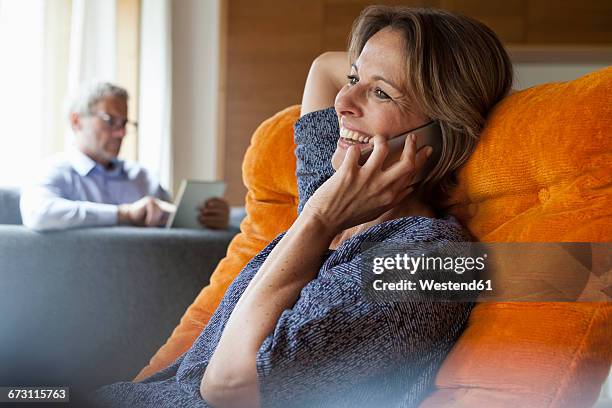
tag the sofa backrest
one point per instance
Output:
(9, 206)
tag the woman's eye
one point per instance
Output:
(381, 94)
(352, 79)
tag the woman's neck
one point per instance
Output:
(411, 206)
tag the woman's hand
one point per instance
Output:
(358, 194)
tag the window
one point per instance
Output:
(21, 82)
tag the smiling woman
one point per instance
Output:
(412, 71)
(295, 327)
(372, 102)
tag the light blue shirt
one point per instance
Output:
(75, 191)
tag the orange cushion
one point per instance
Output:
(268, 171)
(541, 173)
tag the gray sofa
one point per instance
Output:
(90, 306)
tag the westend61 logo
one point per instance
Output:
(487, 271)
(412, 264)
(429, 271)
(425, 273)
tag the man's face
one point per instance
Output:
(95, 137)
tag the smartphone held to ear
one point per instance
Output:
(429, 134)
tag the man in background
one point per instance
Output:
(89, 186)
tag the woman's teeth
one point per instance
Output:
(352, 135)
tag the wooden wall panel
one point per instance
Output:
(506, 18)
(338, 17)
(569, 21)
(128, 57)
(270, 45)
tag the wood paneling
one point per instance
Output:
(222, 99)
(506, 18)
(128, 46)
(339, 16)
(569, 22)
(270, 45)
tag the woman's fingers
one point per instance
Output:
(409, 151)
(351, 158)
(422, 156)
(379, 154)
(411, 160)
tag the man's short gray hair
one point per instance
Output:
(90, 94)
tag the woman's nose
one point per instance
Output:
(348, 102)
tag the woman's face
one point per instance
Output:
(373, 101)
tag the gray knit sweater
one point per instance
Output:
(335, 347)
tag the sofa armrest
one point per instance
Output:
(87, 307)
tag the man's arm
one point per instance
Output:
(44, 207)
(162, 194)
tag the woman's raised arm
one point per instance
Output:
(352, 196)
(230, 380)
(326, 77)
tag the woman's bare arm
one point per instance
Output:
(326, 77)
(230, 380)
(352, 196)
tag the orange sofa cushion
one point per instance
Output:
(541, 173)
(268, 171)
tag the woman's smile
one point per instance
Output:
(352, 137)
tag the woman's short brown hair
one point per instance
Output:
(456, 71)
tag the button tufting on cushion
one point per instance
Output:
(543, 194)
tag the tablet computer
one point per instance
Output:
(191, 195)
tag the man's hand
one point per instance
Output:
(214, 213)
(146, 212)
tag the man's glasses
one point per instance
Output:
(113, 122)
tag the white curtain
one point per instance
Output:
(92, 53)
(21, 81)
(155, 102)
(47, 48)
(55, 83)
(93, 39)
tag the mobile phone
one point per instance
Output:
(429, 134)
